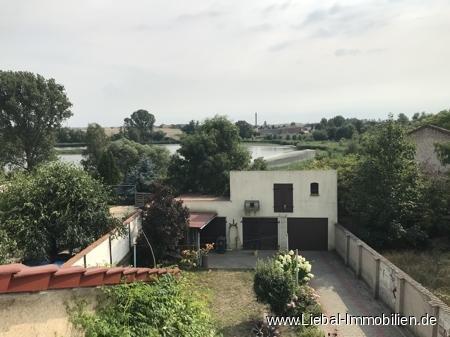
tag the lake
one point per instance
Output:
(256, 150)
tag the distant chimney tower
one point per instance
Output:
(256, 119)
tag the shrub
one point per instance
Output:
(304, 302)
(167, 307)
(273, 285)
(292, 264)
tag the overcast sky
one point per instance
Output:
(287, 60)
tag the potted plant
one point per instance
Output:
(204, 254)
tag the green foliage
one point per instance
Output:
(304, 302)
(387, 189)
(441, 119)
(245, 129)
(168, 307)
(139, 127)
(296, 266)
(443, 151)
(259, 164)
(207, 156)
(273, 285)
(96, 144)
(191, 127)
(320, 135)
(31, 109)
(142, 175)
(8, 248)
(56, 207)
(165, 221)
(70, 135)
(128, 155)
(108, 170)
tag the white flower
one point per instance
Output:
(291, 252)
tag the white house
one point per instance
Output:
(270, 210)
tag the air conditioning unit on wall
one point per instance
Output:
(251, 205)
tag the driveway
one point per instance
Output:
(339, 290)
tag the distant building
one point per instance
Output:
(425, 138)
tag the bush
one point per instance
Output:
(304, 302)
(167, 307)
(292, 264)
(273, 285)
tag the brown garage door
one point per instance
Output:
(260, 233)
(213, 230)
(308, 233)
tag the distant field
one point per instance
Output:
(430, 268)
(171, 133)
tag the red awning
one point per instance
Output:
(200, 219)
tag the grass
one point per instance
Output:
(430, 268)
(232, 302)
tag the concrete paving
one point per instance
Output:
(339, 290)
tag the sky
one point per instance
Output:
(297, 60)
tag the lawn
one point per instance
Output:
(232, 302)
(430, 268)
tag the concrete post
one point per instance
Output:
(347, 249)
(435, 313)
(134, 256)
(376, 285)
(359, 266)
(401, 295)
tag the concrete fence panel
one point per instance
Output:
(397, 290)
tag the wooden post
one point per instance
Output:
(376, 286)
(359, 266)
(84, 261)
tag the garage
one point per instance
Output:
(260, 233)
(308, 233)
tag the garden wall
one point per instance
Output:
(41, 314)
(110, 249)
(397, 290)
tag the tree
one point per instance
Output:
(127, 155)
(139, 126)
(387, 189)
(143, 175)
(31, 109)
(56, 207)
(259, 164)
(165, 221)
(207, 156)
(190, 127)
(96, 144)
(443, 151)
(402, 119)
(108, 170)
(245, 129)
(319, 135)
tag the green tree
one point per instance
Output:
(54, 208)
(245, 129)
(127, 155)
(402, 119)
(387, 189)
(32, 108)
(207, 156)
(443, 151)
(259, 164)
(165, 221)
(190, 127)
(319, 135)
(143, 175)
(96, 144)
(108, 170)
(139, 126)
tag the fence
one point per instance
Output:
(110, 249)
(392, 286)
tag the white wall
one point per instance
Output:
(258, 185)
(98, 253)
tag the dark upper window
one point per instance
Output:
(283, 198)
(314, 187)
